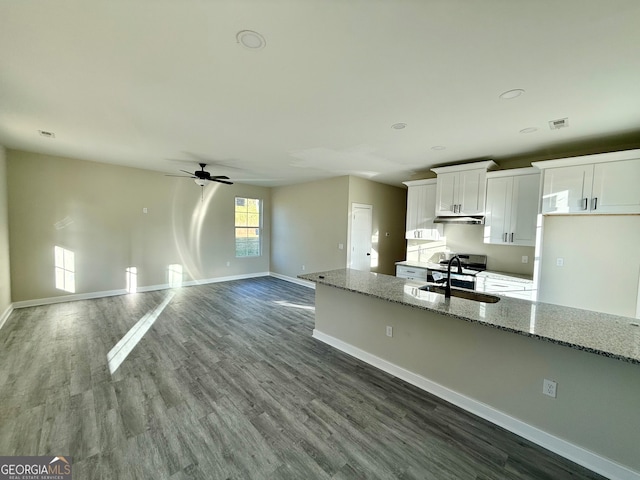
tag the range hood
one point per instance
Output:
(468, 220)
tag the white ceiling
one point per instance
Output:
(146, 83)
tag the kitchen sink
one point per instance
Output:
(468, 294)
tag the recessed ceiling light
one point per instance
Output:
(529, 130)
(509, 94)
(44, 133)
(398, 126)
(438, 147)
(250, 39)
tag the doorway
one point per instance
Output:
(360, 236)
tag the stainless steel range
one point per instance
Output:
(471, 265)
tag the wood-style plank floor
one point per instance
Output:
(229, 383)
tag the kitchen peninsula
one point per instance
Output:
(491, 359)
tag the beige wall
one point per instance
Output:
(601, 269)
(309, 220)
(597, 403)
(5, 278)
(95, 210)
(389, 210)
(500, 258)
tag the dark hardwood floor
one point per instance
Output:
(228, 383)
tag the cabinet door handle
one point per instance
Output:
(511, 237)
(594, 203)
(505, 238)
(585, 203)
(455, 208)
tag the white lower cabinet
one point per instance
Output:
(503, 284)
(411, 273)
(511, 208)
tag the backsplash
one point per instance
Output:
(468, 239)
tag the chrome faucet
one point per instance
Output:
(447, 288)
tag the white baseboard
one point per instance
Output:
(149, 288)
(5, 315)
(575, 453)
(67, 298)
(299, 281)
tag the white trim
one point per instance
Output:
(5, 315)
(68, 298)
(575, 453)
(426, 181)
(111, 293)
(299, 281)
(588, 159)
(513, 172)
(487, 165)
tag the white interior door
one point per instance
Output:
(361, 227)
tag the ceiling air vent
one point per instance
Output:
(556, 124)
(44, 133)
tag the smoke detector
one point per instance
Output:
(560, 123)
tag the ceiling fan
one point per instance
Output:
(201, 177)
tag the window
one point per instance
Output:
(248, 226)
(65, 269)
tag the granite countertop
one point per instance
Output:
(603, 334)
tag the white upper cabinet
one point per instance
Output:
(616, 187)
(567, 189)
(603, 183)
(421, 208)
(461, 189)
(512, 207)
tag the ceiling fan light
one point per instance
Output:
(200, 181)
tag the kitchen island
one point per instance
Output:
(491, 359)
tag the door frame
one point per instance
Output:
(350, 226)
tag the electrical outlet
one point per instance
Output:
(559, 262)
(145, 210)
(228, 264)
(389, 331)
(303, 268)
(549, 388)
(341, 246)
(525, 259)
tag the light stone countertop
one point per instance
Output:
(603, 334)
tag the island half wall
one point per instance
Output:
(497, 375)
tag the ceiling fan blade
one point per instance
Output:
(190, 173)
(181, 176)
(213, 177)
(221, 181)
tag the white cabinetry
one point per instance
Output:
(411, 273)
(512, 207)
(421, 208)
(504, 284)
(603, 183)
(461, 188)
